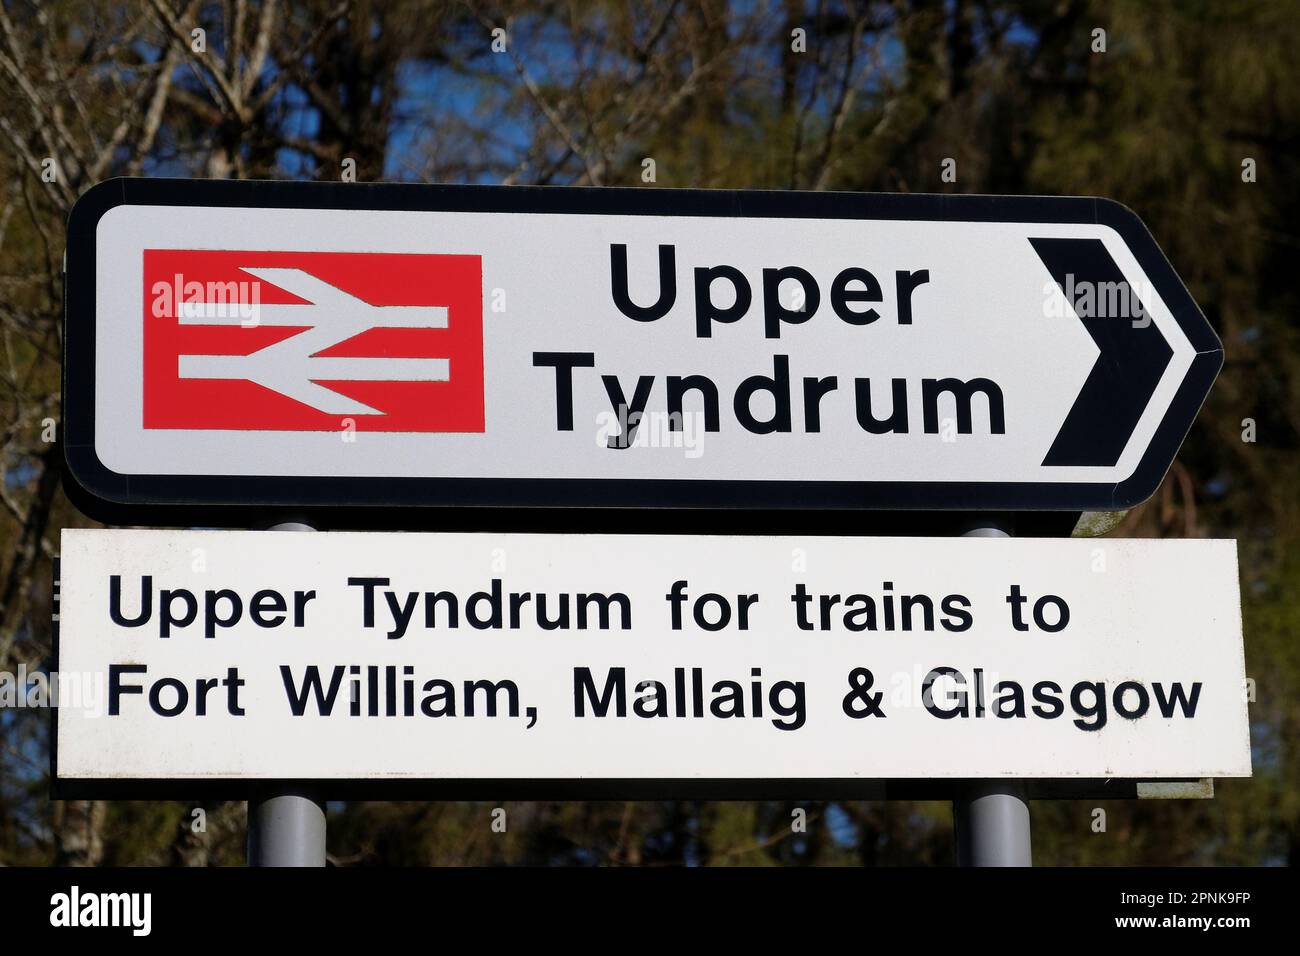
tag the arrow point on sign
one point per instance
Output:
(1132, 357)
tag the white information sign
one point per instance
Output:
(600, 661)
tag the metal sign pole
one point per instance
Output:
(991, 817)
(991, 822)
(286, 828)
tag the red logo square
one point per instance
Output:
(306, 341)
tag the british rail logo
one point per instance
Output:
(312, 341)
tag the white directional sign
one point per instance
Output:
(643, 664)
(283, 344)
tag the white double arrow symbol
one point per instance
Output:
(293, 366)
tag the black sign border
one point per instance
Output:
(214, 499)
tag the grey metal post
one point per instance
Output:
(991, 817)
(286, 827)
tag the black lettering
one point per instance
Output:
(619, 284)
(678, 386)
(311, 685)
(115, 601)
(842, 295)
(706, 313)
(584, 689)
(779, 387)
(774, 313)
(962, 393)
(897, 420)
(564, 363)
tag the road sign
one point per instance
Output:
(299, 344)
(641, 665)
